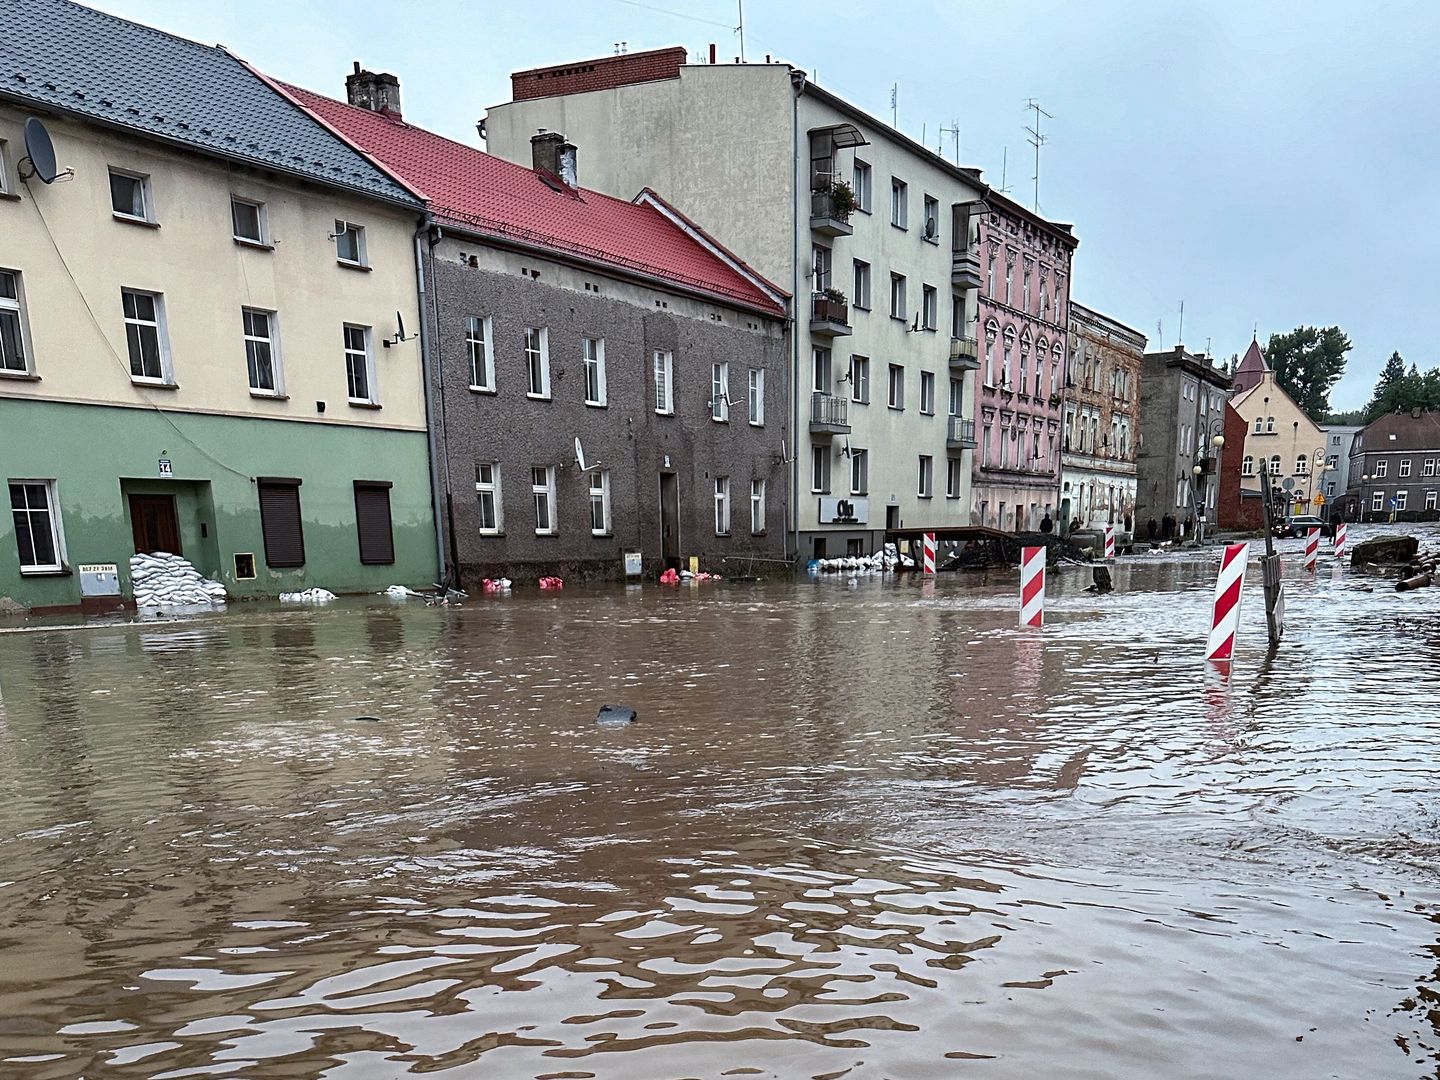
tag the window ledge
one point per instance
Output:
(492, 533)
(896, 408)
(348, 265)
(726, 535)
(719, 419)
(900, 318)
(489, 391)
(258, 245)
(601, 535)
(757, 423)
(924, 496)
(537, 397)
(897, 225)
(547, 534)
(269, 396)
(924, 412)
(664, 412)
(375, 405)
(597, 405)
(63, 571)
(860, 307)
(144, 223)
(154, 384)
(8, 196)
(935, 240)
(20, 376)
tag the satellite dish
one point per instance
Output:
(580, 457)
(40, 151)
(399, 332)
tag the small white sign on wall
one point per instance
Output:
(842, 511)
(632, 564)
(165, 468)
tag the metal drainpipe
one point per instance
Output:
(434, 417)
(797, 83)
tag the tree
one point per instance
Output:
(1399, 389)
(1307, 362)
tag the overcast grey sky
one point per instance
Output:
(1268, 162)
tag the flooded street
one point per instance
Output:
(857, 832)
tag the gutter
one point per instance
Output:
(797, 83)
(439, 489)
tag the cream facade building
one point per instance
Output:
(1279, 438)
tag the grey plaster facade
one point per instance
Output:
(513, 431)
(1182, 409)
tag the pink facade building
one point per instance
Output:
(1024, 302)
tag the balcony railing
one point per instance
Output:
(965, 268)
(829, 414)
(827, 217)
(961, 435)
(964, 354)
(828, 315)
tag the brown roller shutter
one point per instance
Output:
(372, 523)
(280, 523)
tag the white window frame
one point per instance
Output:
(929, 203)
(895, 387)
(272, 340)
(490, 487)
(147, 200)
(899, 203)
(859, 379)
(1381, 467)
(757, 506)
(342, 227)
(600, 499)
(372, 391)
(755, 398)
(720, 391)
(898, 307)
(262, 222)
(5, 188)
(929, 307)
(1402, 499)
(822, 372)
(537, 362)
(957, 397)
(1275, 465)
(592, 353)
(1428, 468)
(1377, 501)
(861, 291)
(57, 530)
(1404, 467)
(722, 506)
(547, 491)
(1247, 466)
(162, 338)
(927, 393)
(925, 482)
(954, 468)
(480, 332)
(862, 181)
(663, 367)
(820, 468)
(1431, 498)
(859, 471)
(16, 307)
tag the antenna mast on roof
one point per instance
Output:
(1037, 140)
(1004, 188)
(1181, 340)
(954, 132)
(895, 105)
(740, 4)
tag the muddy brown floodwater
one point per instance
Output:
(869, 831)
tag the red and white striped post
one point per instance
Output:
(1312, 549)
(1340, 540)
(929, 553)
(1225, 615)
(1032, 586)
(1109, 541)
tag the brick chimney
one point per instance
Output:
(550, 153)
(377, 91)
(604, 73)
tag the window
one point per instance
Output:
(664, 388)
(957, 396)
(897, 387)
(1401, 498)
(1332, 462)
(860, 182)
(1329, 488)
(542, 493)
(1275, 465)
(860, 294)
(36, 513)
(821, 260)
(1430, 499)
(756, 397)
(600, 502)
(145, 336)
(860, 379)
(897, 296)
(372, 523)
(247, 220)
(359, 365)
(537, 362)
(957, 316)
(990, 278)
(1009, 280)
(479, 344)
(280, 523)
(927, 393)
(820, 468)
(1247, 466)
(12, 325)
(722, 506)
(262, 352)
(720, 392)
(929, 307)
(1025, 292)
(1429, 468)
(1381, 467)
(953, 473)
(1377, 501)
(350, 243)
(859, 471)
(931, 224)
(130, 196)
(1334, 440)
(757, 507)
(1269, 424)
(4, 167)
(487, 498)
(1302, 464)
(927, 477)
(899, 198)
(1405, 467)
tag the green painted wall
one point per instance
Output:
(99, 454)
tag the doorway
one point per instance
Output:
(155, 524)
(892, 517)
(670, 520)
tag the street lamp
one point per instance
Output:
(1319, 470)
(1364, 485)
(1217, 441)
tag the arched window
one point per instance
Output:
(1259, 425)
(1302, 464)
(1247, 467)
(1275, 465)
(1269, 423)
(1024, 383)
(1005, 357)
(1057, 358)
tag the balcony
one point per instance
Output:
(961, 435)
(830, 211)
(964, 354)
(965, 268)
(829, 314)
(829, 415)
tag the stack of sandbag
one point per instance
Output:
(163, 580)
(307, 596)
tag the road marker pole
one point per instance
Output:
(1109, 541)
(1340, 539)
(929, 558)
(1312, 549)
(1225, 613)
(1032, 586)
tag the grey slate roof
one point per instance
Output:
(61, 55)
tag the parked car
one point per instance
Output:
(1300, 525)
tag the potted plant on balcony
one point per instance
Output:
(835, 296)
(842, 200)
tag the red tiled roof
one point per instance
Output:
(487, 195)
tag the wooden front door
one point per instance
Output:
(670, 520)
(156, 528)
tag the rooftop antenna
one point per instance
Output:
(1180, 339)
(1037, 140)
(621, 48)
(954, 132)
(895, 105)
(740, 4)
(1004, 165)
